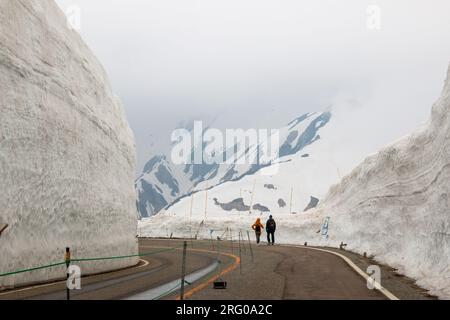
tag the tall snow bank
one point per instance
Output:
(396, 204)
(67, 153)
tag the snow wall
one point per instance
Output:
(67, 155)
(395, 206)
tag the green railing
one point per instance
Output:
(84, 260)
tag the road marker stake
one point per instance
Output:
(250, 245)
(240, 253)
(67, 260)
(183, 271)
(231, 240)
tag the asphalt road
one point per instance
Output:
(288, 273)
(285, 273)
(151, 272)
(265, 272)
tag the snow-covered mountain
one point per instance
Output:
(162, 183)
(67, 156)
(315, 151)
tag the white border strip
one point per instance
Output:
(171, 287)
(376, 285)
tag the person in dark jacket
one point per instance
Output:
(271, 227)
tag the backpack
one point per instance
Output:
(271, 224)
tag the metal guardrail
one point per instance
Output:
(85, 259)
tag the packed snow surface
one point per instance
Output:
(394, 205)
(67, 153)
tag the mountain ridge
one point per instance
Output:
(163, 184)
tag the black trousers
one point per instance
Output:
(271, 234)
(258, 236)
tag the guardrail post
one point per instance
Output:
(183, 271)
(67, 260)
(212, 242)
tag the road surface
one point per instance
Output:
(266, 272)
(151, 272)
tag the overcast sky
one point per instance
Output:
(263, 62)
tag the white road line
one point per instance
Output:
(376, 285)
(171, 287)
(146, 263)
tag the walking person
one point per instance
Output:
(271, 227)
(258, 227)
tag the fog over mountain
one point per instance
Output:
(263, 63)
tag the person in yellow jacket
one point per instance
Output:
(258, 228)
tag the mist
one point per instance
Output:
(260, 63)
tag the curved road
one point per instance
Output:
(275, 272)
(151, 272)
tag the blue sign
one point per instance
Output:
(325, 227)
